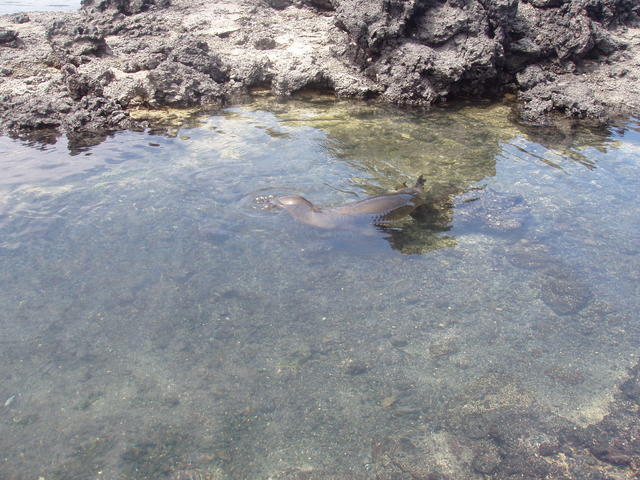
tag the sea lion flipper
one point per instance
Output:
(420, 182)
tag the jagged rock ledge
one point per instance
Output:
(85, 72)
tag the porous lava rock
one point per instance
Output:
(576, 59)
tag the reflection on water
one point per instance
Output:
(158, 322)
(15, 6)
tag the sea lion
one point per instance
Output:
(378, 210)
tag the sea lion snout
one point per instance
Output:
(292, 200)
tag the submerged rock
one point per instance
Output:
(488, 458)
(563, 292)
(354, 367)
(499, 212)
(631, 387)
(530, 256)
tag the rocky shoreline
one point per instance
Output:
(88, 72)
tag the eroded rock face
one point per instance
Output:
(189, 76)
(127, 7)
(7, 36)
(70, 41)
(572, 58)
(428, 51)
(423, 52)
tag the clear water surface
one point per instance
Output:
(157, 322)
(16, 6)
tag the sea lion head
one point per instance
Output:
(293, 201)
(299, 208)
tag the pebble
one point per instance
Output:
(437, 350)
(398, 342)
(548, 449)
(354, 367)
(389, 401)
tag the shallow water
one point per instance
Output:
(157, 322)
(16, 6)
